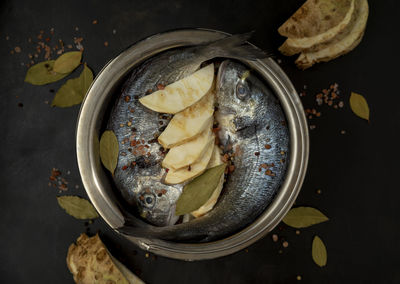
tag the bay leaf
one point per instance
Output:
(74, 90)
(86, 79)
(109, 150)
(359, 105)
(302, 217)
(67, 62)
(199, 190)
(77, 207)
(318, 251)
(43, 73)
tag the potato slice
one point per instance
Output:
(196, 169)
(181, 94)
(188, 123)
(342, 46)
(189, 152)
(214, 161)
(90, 262)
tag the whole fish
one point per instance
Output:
(139, 173)
(253, 125)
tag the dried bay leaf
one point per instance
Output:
(109, 150)
(67, 62)
(69, 94)
(302, 217)
(359, 105)
(199, 190)
(77, 207)
(43, 73)
(318, 251)
(74, 90)
(86, 79)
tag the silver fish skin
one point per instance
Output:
(140, 183)
(249, 117)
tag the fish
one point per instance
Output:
(139, 174)
(253, 125)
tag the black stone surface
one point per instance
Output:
(356, 172)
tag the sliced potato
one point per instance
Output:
(188, 123)
(181, 94)
(196, 169)
(214, 161)
(216, 158)
(342, 46)
(189, 152)
(295, 45)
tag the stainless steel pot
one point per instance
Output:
(98, 185)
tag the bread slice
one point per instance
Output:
(90, 262)
(340, 45)
(307, 44)
(316, 17)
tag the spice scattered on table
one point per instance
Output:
(44, 46)
(57, 181)
(327, 97)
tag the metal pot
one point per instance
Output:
(100, 189)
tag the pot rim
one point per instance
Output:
(99, 188)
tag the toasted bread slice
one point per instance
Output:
(90, 262)
(315, 17)
(341, 45)
(295, 45)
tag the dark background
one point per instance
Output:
(356, 172)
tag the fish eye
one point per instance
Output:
(241, 91)
(149, 200)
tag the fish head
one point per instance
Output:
(156, 201)
(239, 94)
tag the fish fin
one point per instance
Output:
(234, 46)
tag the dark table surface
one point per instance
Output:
(356, 172)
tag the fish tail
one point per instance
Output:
(134, 227)
(234, 46)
